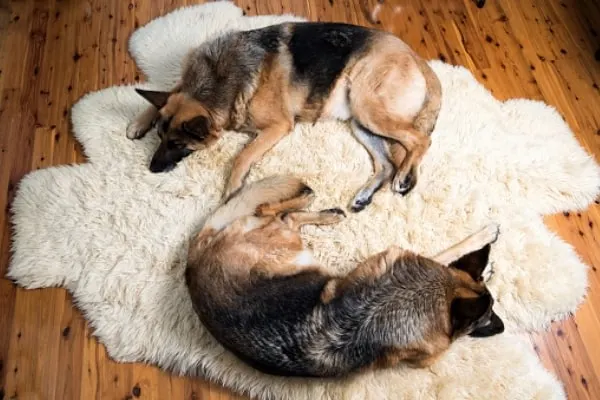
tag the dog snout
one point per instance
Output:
(490, 327)
(157, 166)
(167, 157)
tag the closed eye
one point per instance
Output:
(172, 145)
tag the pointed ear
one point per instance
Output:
(465, 312)
(196, 127)
(157, 99)
(473, 263)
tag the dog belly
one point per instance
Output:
(337, 105)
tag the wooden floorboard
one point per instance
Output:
(54, 51)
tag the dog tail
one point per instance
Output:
(427, 117)
(269, 190)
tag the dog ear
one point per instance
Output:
(465, 312)
(157, 99)
(473, 263)
(196, 127)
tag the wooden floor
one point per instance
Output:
(54, 51)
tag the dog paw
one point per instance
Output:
(332, 216)
(136, 131)
(336, 210)
(361, 201)
(260, 210)
(306, 191)
(403, 185)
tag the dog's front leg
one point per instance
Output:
(252, 153)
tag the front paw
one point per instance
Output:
(135, 130)
(332, 216)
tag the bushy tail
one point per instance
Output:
(268, 190)
(427, 117)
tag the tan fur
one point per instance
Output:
(244, 243)
(421, 355)
(252, 153)
(181, 107)
(426, 119)
(296, 203)
(397, 154)
(338, 92)
(365, 272)
(254, 237)
(271, 104)
(270, 113)
(372, 84)
(296, 220)
(267, 236)
(376, 81)
(244, 250)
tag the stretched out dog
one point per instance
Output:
(263, 81)
(260, 292)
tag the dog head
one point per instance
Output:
(471, 308)
(183, 125)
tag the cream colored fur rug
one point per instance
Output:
(115, 235)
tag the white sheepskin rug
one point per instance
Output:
(115, 235)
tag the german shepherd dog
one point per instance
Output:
(260, 292)
(262, 81)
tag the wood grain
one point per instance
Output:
(54, 51)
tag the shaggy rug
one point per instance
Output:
(115, 235)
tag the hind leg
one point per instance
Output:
(382, 167)
(296, 220)
(408, 148)
(283, 252)
(397, 153)
(303, 200)
(416, 145)
(386, 97)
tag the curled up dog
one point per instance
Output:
(260, 292)
(263, 81)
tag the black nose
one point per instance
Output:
(161, 167)
(493, 327)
